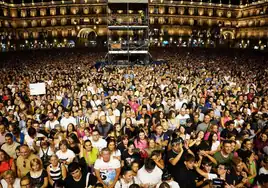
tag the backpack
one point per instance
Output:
(45, 158)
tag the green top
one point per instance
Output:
(91, 156)
(252, 166)
(221, 159)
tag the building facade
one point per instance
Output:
(197, 23)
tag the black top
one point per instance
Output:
(174, 169)
(128, 159)
(71, 183)
(186, 178)
(105, 129)
(39, 181)
(226, 133)
(75, 149)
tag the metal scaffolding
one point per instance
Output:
(128, 31)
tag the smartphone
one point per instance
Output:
(218, 182)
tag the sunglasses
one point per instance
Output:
(24, 164)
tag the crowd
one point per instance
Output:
(201, 120)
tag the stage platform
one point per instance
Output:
(127, 27)
(128, 52)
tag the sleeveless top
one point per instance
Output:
(5, 165)
(55, 174)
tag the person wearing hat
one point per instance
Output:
(176, 157)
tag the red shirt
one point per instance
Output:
(5, 165)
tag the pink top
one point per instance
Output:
(208, 133)
(225, 119)
(80, 134)
(142, 144)
(134, 105)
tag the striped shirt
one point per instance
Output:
(55, 174)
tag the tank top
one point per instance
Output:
(5, 165)
(55, 174)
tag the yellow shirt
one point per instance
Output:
(23, 165)
(91, 157)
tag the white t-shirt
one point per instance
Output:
(66, 156)
(215, 145)
(29, 141)
(107, 169)
(263, 171)
(66, 121)
(111, 119)
(51, 125)
(116, 112)
(100, 144)
(178, 104)
(152, 178)
(122, 184)
(182, 119)
(15, 185)
(117, 153)
(172, 184)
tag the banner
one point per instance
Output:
(38, 89)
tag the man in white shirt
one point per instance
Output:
(66, 120)
(50, 124)
(182, 117)
(97, 141)
(10, 146)
(116, 111)
(150, 175)
(179, 102)
(107, 169)
(127, 179)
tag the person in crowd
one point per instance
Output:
(51, 122)
(176, 157)
(56, 171)
(66, 120)
(167, 178)
(126, 179)
(10, 146)
(107, 169)
(9, 180)
(3, 132)
(38, 176)
(186, 174)
(45, 150)
(65, 155)
(97, 141)
(25, 182)
(6, 162)
(23, 161)
(149, 175)
(88, 153)
(104, 127)
(264, 168)
(79, 177)
(115, 153)
(225, 155)
(130, 155)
